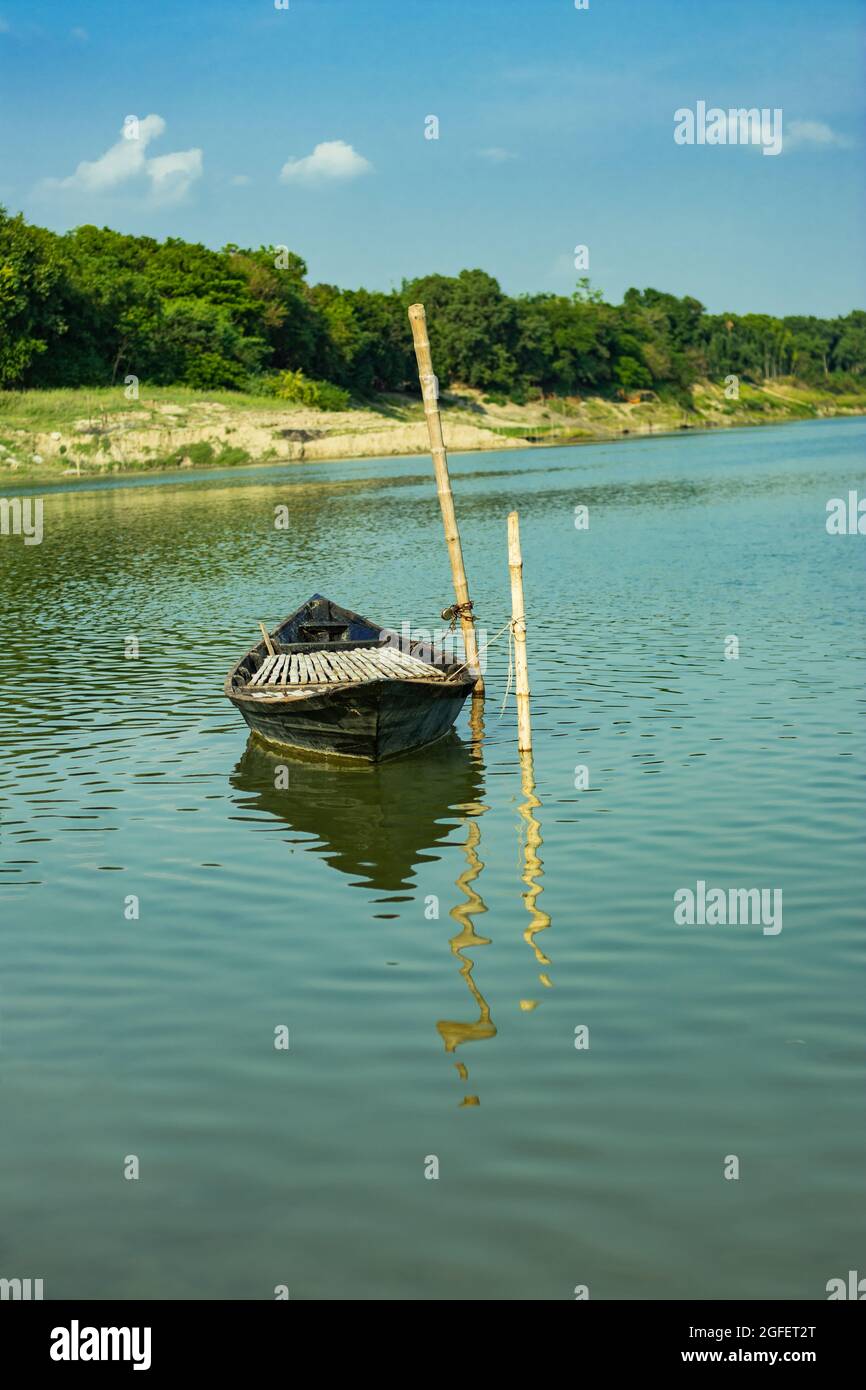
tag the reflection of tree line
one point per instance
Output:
(374, 824)
(171, 527)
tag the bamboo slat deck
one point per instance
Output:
(356, 665)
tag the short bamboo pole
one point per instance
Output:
(430, 393)
(268, 643)
(518, 628)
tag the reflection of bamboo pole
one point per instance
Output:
(476, 722)
(518, 627)
(453, 1034)
(430, 393)
(533, 868)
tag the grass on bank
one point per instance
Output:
(85, 425)
(42, 411)
(59, 409)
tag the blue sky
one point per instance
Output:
(555, 128)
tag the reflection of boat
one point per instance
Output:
(375, 822)
(378, 822)
(329, 681)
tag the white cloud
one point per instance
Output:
(81, 35)
(816, 134)
(122, 161)
(170, 175)
(240, 180)
(496, 154)
(333, 159)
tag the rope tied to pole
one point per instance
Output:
(510, 667)
(510, 628)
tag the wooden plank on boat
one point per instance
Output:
(391, 670)
(372, 663)
(365, 664)
(342, 667)
(367, 668)
(352, 666)
(357, 664)
(273, 675)
(256, 677)
(330, 669)
(261, 674)
(393, 660)
(402, 664)
(319, 671)
(423, 668)
(336, 667)
(427, 669)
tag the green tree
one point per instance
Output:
(30, 317)
(94, 305)
(476, 328)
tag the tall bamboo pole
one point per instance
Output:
(430, 393)
(518, 627)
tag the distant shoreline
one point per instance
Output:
(174, 432)
(154, 477)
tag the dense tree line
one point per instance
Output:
(92, 306)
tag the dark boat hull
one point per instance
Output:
(375, 721)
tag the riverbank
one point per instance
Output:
(57, 436)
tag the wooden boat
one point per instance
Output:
(337, 683)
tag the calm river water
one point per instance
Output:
(416, 1036)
